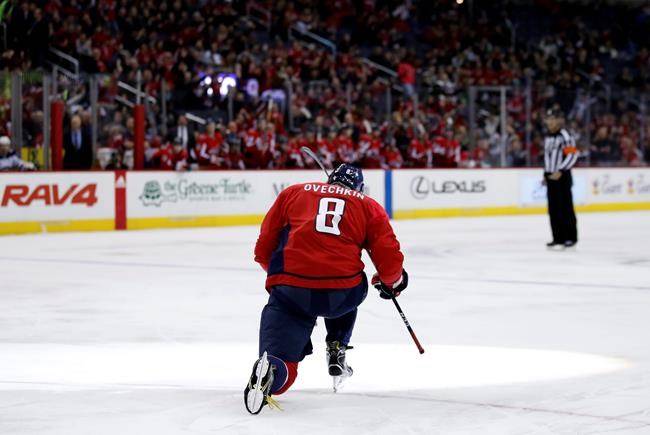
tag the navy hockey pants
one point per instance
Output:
(289, 317)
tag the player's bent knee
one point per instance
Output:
(285, 374)
(292, 373)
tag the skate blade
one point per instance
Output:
(255, 397)
(337, 382)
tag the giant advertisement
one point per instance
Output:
(452, 189)
(428, 193)
(617, 185)
(55, 201)
(533, 190)
(218, 193)
(56, 196)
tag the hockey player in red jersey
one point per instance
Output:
(310, 246)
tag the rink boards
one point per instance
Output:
(488, 192)
(91, 201)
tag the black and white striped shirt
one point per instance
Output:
(560, 152)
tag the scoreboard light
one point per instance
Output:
(226, 81)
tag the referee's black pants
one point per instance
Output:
(560, 208)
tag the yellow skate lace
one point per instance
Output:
(273, 404)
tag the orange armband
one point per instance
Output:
(570, 150)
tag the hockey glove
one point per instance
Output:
(390, 291)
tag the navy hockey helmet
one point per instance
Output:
(348, 176)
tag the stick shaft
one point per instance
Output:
(314, 157)
(408, 326)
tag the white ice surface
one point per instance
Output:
(155, 332)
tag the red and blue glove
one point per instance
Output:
(390, 291)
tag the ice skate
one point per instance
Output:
(336, 365)
(554, 246)
(569, 245)
(257, 392)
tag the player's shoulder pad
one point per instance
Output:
(285, 193)
(292, 188)
(295, 186)
(374, 207)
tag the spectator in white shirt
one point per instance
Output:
(9, 161)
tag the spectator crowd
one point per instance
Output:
(389, 89)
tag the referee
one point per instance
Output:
(560, 154)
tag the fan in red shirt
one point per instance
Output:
(265, 158)
(417, 152)
(311, 142)
(208, 146)
(310, 246)
(631, 154)
(393, 157)
(447, 150)
(171, 156)
(327, 149)
(252, 145)
(345, 147)
(370, 149)
(406, 74)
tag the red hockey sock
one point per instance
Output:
(291, 374)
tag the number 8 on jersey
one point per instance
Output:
(330, 212)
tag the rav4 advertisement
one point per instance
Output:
(56, 196)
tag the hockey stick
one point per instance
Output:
(315, 158)
(408, 326)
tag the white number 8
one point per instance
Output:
(323, 225)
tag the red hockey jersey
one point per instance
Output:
(313, 235)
